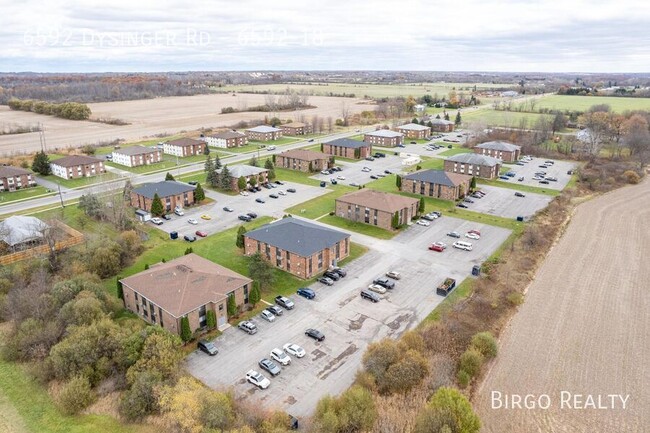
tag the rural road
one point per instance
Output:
(583, 330)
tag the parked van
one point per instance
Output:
(461, 245)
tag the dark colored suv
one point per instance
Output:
(371, 296)
(207, 347)
(333, 275)
(315, 334)
(306, 292)
(385, 282)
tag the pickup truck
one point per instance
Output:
(446, 287)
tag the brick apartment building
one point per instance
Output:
(13, 178)
(227, 139)
(413, 130)
(384, 137)
(507, 152)
(436, 184)
(376, 208)
(296, 128)
(442, 125)
(172, 194)
(347, 148)
(75, 166)
(301, 248)
(253, 175)
(184, 147)
(188, 286)
(134, 156)
(303, 160)
(473, 164)
(264, 133)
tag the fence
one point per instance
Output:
(73, 237)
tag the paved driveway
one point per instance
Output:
(503, 202)
(557, 170)
(349, 322)
(353, 174)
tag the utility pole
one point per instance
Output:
(61, 197)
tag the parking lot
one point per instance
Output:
(221, 220)
(503, 202)
(352, 171)
(558, 170)
(348, 322)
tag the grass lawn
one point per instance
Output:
(168, 163)
(583, 103)
(429, 164)
(518, 187)
(462, 291)
(81, 181)
(279, 142)
(455, 151)
(24, 193)
(364, 229)
(105, 150)
(296, 176)
(492, 117)
(319, 206)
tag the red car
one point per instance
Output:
(436, 247)
(474, 231)
(201, 233)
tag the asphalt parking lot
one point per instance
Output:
(558, 170)
(503, 202)
(353, 174)
(348, 322)
(222, 220)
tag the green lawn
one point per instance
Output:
(7, 196)
(279, 142)
(364, 229)
(518, 187)
(429, 164)
(168, 163)
(296, 176)
(455, 151)
(320, 206)
(513, 119)
(81, 181)
(583, 103)
(462, 291)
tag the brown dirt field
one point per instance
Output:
(584, 327)
(149, 117)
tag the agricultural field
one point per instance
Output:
(582, 103)
(490, 117)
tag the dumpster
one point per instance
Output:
(173, 235)
(520, 218)
(476, 270)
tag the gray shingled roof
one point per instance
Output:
(438, 177)
(441, 122)
(244, 170)
(164, 189)
(264, 128)
(297, 236)
(346, 142)
(228, 134)
(475, 159)
(413, 127)
(184, 142)
(9, 171)
(385, 133)
(498, 145)
(75, 160)
(136, 150)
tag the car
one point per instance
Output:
(207, 347)
(468, 200)
(435, 247)
(552, 179)
(167, 217)
(450, 146)
(269, 366)
(394, 275)
(279, 182)
(435, 214)
(260, 200)
(326, 280)
(192, 182)
(267, 315)
(354, 184)
(267, 186)
(479, 196)
(520, 163)
(462, 205)
(388, 172)
(192, 221)
(540, 173)
(156, 221)
(270, 148)
(367, 294)
(423, 222)
(228, 209)
(521, 179)
(274, 196)
(372, 176)
(284, 302)
(279, 356)
(504, 178)
(247, 326)
(401, 145)
(380, 175)
(380, 155)
(383, 281)
(311, 140)
(428, 217)
(545, 182)
(333, 181)
(291, 190)
(453, 234)
(257, 188)
(244, 193)
(342, 272)
(340, 177)
(369, 158)
(201, 233)
(308, 293)
(476, 231)
(332, 275)
(333, 169)
(252, 214)
(179, 211)
(377, 288)
(282, 192)
(257, 379)
(244, 218)
(472, 236)
(549, 162)
(275, 310)
(441, 244)
(511, 174)
(543, 166)
(323, 184)
(325, 172)
(315, 334)
(520, 194)
(189, 238)
(462, 245)
(205, 216)
(366, 169)
(414, 142)
(294, 349)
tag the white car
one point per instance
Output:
(244, 193)
(270, 148)
(394, 275)
(281, 357)
(192, 221)
(423, 223)
(366, 169)
(257, 379)
(472, 236)
(324, 172)
(282, 192)
(157, 221)
(294, 349)
(462, 245)
(377, 288)
(340, 177)
(267, 315)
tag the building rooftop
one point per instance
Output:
(385, 133)
(244, 170)
(304, 155)
(136, 150)
(9, 171)
(228, 134)
(499, 145)
(75, 160)
(295, 125)
(19, 229)
(184, 142)
(185, 284)
(164, 189)
(346, 142)
(441, 122)
(475, 159)
(438, 177)
(297, 236)
(379, 200)
(413, 127)
(263, 129)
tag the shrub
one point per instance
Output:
(463, 378)
(76, 395)
(353, 411)
(471, 362)
(632, 177)
(210, 319)
(186, 332)
(141, 400)
(485, 343)
(447, 411)
(515, 298)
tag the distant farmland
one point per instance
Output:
(490, 117)
(582, 103)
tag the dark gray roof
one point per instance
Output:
(346, 142)
(164, 189)
(499, 145)
(438, 177)
(75, 160)
(475, 159)
(297, 236)
(9, 171)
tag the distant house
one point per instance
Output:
(75, 166)
(296, 128)
(303, 160)
(253, 175)
(376, 207)
(227, 139)
(134, 156)
(419, 108)
(502, 150)
(347, 148)
(442, 125)
(184, 147)
(301, 248)
(188, 286)
(384, 137)
(172, 194)
(413, 130)
(264, 133)
(473, 164)
(436, 184)
(13, 178)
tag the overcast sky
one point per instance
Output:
(453, 35)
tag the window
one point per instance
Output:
(268, 251)
(288, 261)
(245, 294)
(310, 265)
(136, 296)
(338, 248)
(320, 260)
(202, 317)
(221, 308)
(346, 244)
(161, 316)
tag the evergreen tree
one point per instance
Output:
(253, 161)
(189, 250)
(398, 181)
(241, 231)
(186, 332)
(430, 124)
(261, 270)
(269, 166)
(199, 194)
(438, 116)
(422, 122)
(41, 164)
(157, 208)
(206, 150)
(224, 181)
(209, 171)
(210, 319)
(255, 295)
(395, 221)
(446, 116)
(421, 207)
(217, 162)
(414, 120)
(321, 147)
(311, 167)
(472, 184)
(458, 118)
(231, 307)
(169, 176)
(273, 158)
(241, 183)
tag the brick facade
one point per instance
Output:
(380, 140)
(484, 171)
(296, 128)
(504, 155)
(13, 178)
(169, 202)
(76, 166)
(375, 217)
(137, 157)
(184, 147)
(263, 135)
(227, 139)
(347, 152)
(295, 163)
(428, 189)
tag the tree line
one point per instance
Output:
(65, 110)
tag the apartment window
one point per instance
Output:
(278, 257)
(160, 316)
(221, 308)
(259, 246)
(245, 294)
(310, 265)
(268, 251)
(346, 244)
(202, 317)
(338, 248)
(136, 296)
(431, 188)
(320, 260)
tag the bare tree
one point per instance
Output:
(596, 123)
(637, 137)
(330, 124)
(314, 123)
(321, 125)
(304, 98)
(345, 113)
